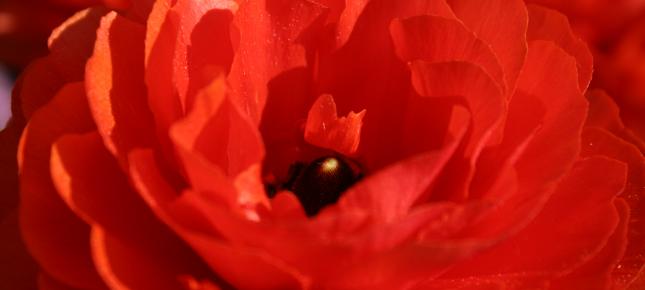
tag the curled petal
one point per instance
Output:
(326, 130)
(436, 39)
(503, 26)
(550, 25)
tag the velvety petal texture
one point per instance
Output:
(297, 144)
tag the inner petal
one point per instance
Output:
(324, 128)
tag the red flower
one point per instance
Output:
(336, 145)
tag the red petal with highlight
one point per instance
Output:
(115, 90)
(326, 130)
(53, 234)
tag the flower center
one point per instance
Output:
(321, 182)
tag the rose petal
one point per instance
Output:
(485, 102)
(550, 25)
(114, 88)
(483, 96)
(639, 280)
(204, 47)
(525, 115)
(354, 10)
(552, 147)
(247, 268)
(417, 38)
(604, 113)
(519, 281)
(217, 130)
(55, 237)
(281, 26)
(181, 56)
(189, 221)
(161, 35)
(326, 130)
(90, 181)
(597, 273)
(565, 110)
(389, 193)
(503, 27)
(217, 138)
(124, 263)
(70, 45)
(291, 248)
(597, 141)
(582, 205)
(406, 265)
(286, 205)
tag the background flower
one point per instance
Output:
(160, 138)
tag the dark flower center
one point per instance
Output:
(321, 182)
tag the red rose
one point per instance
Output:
(300, 145)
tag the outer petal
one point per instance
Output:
(125, 234)
(604, 113)
(550, 25)
(582, 205)
(597, 273)
(565, 109)
(115, 88)
(53, 234)
(124, 264)
(600, 142)
(550, 151)
(65, 63)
